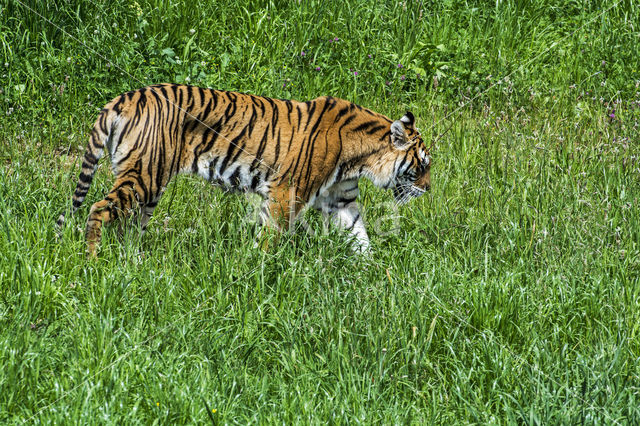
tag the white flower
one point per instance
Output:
(187, 79)
(96, 31)
(6, 64)
(192, 31)
(69, 59)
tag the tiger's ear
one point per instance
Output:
(398, 135)
(408, 119)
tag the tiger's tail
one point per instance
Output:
(101, 136)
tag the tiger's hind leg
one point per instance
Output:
(138, 219)
(120, 203)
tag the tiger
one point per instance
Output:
(293, 154)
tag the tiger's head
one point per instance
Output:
(412, 169)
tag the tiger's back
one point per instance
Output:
(289, 152)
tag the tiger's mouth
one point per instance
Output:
(404, 193)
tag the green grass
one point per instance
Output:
(509, 294)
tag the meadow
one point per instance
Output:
(510, 293)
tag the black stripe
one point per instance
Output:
(212, 168)
(347, 121)
(123, 132)
(174, 89)
(91, 159)
(255, 181)
(136, 174)
(274, 116)
(201, 92)
(252, 120)
(261, 147)
(80, 191)
(214, 131)
(311, 149)
(376, 129)
(234, 179)
(341, 113)
(289, 109)
(117, 107)
(85, 178)
(354, 222)
(165, 95)
(232, 147)
(230, 111)
(277, 149)
(206, 111)
(385, 135)
(310, 112)
(404, 160)
(346, 200)
(189, 97)
(214, 97)
(364, 126)
(102, 121)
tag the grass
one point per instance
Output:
(509, 294)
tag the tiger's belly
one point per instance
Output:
(238, 176)
(337, 196)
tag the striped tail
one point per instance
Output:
(102, 131)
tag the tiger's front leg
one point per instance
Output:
(279, 213)
(339, 203)
(349, 218)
